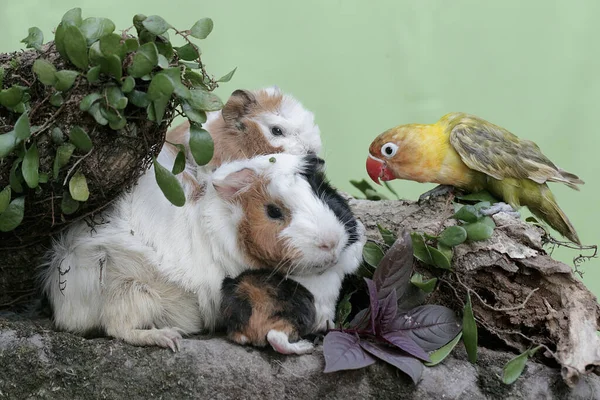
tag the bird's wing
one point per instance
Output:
(498, 153)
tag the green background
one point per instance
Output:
(362, 67)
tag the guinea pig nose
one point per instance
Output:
(327, 245)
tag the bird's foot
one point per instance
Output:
(437, 191)
(500, 207)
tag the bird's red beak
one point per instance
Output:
(378, 170)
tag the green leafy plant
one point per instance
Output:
(118, 79)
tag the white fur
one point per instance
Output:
(152, 270)
(281, 343)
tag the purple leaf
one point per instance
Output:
(343, 351)
(395, 268)
(374, 302)
(404, 342)
(361, 320)
(430, 326)
(409, 365)
(387, 312)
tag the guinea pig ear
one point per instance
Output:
(238, 105)
(234, 183)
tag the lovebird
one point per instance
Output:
(472, 154)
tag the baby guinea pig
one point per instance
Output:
(252, 123)
(261, 306)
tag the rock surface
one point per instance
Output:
(38, 363)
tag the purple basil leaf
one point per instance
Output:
(388, 309)
(374, 302)
(431, 326)
(361, 320)
(404, 342)
(409, 365)
(343, 351)
(395, 268)
(412, 297)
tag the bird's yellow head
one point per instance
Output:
(394, 152)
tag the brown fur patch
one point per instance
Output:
(178, 134)
(259, 234)
(262, 320)
(196, 190)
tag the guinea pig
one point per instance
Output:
(252, 123)
(151, 271)
(261, 306)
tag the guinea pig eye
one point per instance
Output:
(389, 149)
(274, 212)
(276, 131)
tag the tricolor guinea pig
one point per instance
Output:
(252, 123)
(152, 271)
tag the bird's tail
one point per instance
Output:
(548, 210)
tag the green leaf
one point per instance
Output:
(489, 221)
(374, 195)
(169, 185)
(202, 28)
(128, 84)
(15, 177)
(57, 99)
(514, 368)
(194, 79)
(470, 331)
(94, 28)
(57, 135)
(111, 114)
(8, 141)
(31, 165)
(111, 45)
(65, 79)
(344, 309)
(59, 40)
(467, 213)
(196, 116)
(131, 45)
(162, 61)
(138, 99)
(440, 354)
(115, 97)
(35, 39)
(166, 50)
(372, 254)
(80, 139)
(206, 101)
(201, 145)
(227, 77)
(12, 96)
(189, 52)
(420, 249)
(478, 231)
(482, 204)
(1, 77)
(89, 100)
(440, 260)
(93, 75)
(76, 47)
(78, 187)
(150, 112)
(116, 125)
(447, 251)
(72, 17)
(95, 112)
(159, 106)
(362, 185)
(63, 155)
(453, 236)
(22, 128)
(484, 195)
(43, 177)
(4, 198)
(426, 286)
(388, 236)
(13, 215)
(68, 205)
(174, 74)
(45, 72)
(111, 65)
(95, 55)
(156, 25)
(179, 164)
(144, 60)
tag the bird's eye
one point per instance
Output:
(274, 212)
(276, 131)
(389, 149)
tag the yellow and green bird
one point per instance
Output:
(472, 154)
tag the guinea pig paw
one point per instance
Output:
(166, 337)
(281, 344)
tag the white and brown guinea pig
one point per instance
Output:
(279, 307)
(251, 123)
(152, 271)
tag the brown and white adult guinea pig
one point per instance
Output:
(153, 271)
(252, 123)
